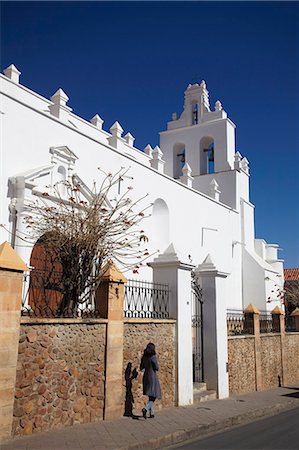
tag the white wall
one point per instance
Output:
(196, 224)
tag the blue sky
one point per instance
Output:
(132, 61)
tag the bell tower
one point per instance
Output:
(196, 103)
(205, 138)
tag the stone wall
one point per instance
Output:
(272, 371)
(271, 366)
(60, 375)
(136, 336)
(291, 362)
(241, 365)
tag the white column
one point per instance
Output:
(215, 355)
(168, 268)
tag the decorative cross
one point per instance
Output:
(120, 179)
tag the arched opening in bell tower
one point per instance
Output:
(179, 158)
(195, 112)
(207, 156)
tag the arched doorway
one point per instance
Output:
(45, 288)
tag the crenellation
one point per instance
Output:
(12, 73)
(59, 106)
(97, 121)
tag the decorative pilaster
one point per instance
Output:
(215, 354)
(110, 303)
(168, 268)
(11, 283)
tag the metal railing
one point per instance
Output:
(146, 300)
(238, 323)
(44, 297)
(266, 323)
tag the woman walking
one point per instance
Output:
(151, 385)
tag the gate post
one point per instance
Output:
(11, 278)
(215, 354)
(110, 303)
(168, 268)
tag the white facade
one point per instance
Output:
(198, 186)
(201, 207)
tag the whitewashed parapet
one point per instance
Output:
(214, 191)
(245, 165)
(148, 151)
(97, 121)
(129, 139)
(12, 73)
(237, 162)
(187, 178)
(218, 106)
(157, 161)
(115, 140)
(59, 107)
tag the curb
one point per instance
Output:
(204, 430)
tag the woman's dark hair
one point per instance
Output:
(150, 350)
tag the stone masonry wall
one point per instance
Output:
(271, 367)
(241, 359)
(60, 376)
(136, 337)
(291, 368)
(241, 365)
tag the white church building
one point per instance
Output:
(196, 181)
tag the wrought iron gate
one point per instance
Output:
(197, 331)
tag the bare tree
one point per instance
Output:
(81, 229)
(291, 294)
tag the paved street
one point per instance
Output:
(280, 432)
(169, 427)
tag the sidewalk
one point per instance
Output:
(169, 426)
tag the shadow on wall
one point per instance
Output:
(130, 375)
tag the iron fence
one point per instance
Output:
(290, 323)
(197, 331)
(146, 300)
(238, 323)
(266, 322)
(44, 296)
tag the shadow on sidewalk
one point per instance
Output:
(293, 394)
